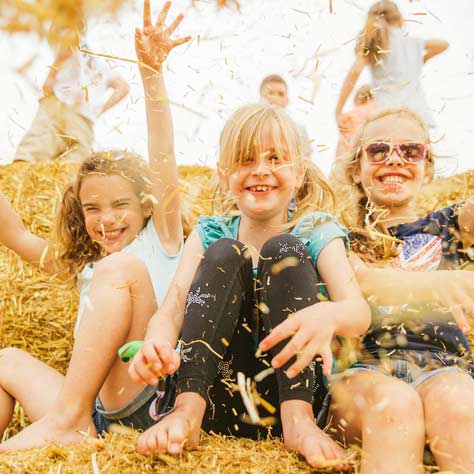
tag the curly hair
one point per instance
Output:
(75, 248)
(241, 138)
(374, 38)
(371, 238)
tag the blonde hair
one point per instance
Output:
(241, 138)
(372, 238)
(374, 38)
(75, 247)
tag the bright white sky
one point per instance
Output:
(214, 75)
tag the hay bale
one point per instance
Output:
(37, 314)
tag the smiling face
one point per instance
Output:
(394, 183)
(113, 213)
(265, 182)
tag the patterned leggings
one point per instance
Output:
(228, 311)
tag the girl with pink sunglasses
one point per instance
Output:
(412, 382)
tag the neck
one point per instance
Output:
(397, 215)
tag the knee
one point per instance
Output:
(9, 359)
(119, 267)
(453, 396)
(394, 400)
(226, 251)
(283, 246)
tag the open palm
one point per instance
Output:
(153, 44)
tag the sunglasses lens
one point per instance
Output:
(413, 151)
(377, 151)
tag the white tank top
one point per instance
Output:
(147, 247)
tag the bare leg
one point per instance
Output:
(387, 415)
(122, 302)
(34, 384)
(176, 429)
(301, 434)
(448, 401)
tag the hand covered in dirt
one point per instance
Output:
(154, 359)
(153, 43)
(311, 331)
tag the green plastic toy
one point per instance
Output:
(128, 350)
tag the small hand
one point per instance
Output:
(154, 359)
(311, 333)
(153, 44)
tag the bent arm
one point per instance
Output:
(168, 320)
(433, 48)
(15, 236)
(348, 306)
(349, 82)
(120, 90)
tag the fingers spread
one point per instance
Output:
(283, 331)
(174, 25)
(163, 14)
(146, 14)
(292, 348)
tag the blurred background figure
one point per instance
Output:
(76, 91)
(395, 61)
(274, 90)
(364, 106)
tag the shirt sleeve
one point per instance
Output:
(212, 228)
(316, 230)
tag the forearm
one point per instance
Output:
(167, 322)
(118, 95)
(352, 317)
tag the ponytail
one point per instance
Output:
(374, 39)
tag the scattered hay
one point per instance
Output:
(117, 455)
(37, 314)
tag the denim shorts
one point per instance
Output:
(413, 367)
(143, 411)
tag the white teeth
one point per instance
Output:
(390, 179)
(260, 188)
(113, 234)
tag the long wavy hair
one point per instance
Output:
(374, 40)
(75, 248)
(371, 238)
(241, 138)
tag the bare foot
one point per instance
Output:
(177, 429)
(50, 430)
(301, 434)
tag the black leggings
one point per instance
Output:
(228, 311)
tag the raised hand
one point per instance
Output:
(153, 43)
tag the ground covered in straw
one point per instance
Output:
(37, 314)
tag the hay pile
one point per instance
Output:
(37, 314)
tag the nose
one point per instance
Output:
(394, 159)
(261, 168)
(107, 217)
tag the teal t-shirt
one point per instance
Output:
(315, 230)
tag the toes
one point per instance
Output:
(176, 438)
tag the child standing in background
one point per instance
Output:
(270, 263)
(119, 230)
(350, 121)
(395, 61)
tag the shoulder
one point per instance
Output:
(317, 229)
(212, 228)
(436, 223)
